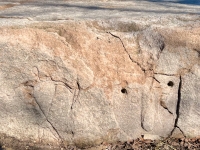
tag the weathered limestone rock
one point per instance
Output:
(72, 79)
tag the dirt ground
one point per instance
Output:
(9, 143)
(167, 144)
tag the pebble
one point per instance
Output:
(185, 144)
(181, 143)
(186, 140)
(148, 141)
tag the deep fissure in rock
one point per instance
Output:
(178, 102)
(178, 107)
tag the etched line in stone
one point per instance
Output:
(127, 51)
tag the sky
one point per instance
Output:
(191, 2)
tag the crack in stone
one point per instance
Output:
(76, 95)
(178, 108)
(62, 143)
(168, 110)
(127, 52)
(162, 103)
(181, 131)
(178, 102)
(156, 79)
(55, 91)
(165, 74)
(46, 116)
(67, 85)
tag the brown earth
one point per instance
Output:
(9, 143)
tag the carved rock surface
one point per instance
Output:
(85, 82)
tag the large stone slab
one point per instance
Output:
(88, 72)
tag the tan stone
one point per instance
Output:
(85, 82)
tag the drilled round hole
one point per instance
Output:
(123, 90)
(170, 83)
